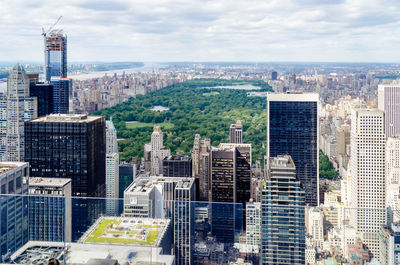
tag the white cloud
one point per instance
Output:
(199, 30)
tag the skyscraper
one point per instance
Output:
(392, 177)
(389, 102)
(69, 146)
(55, 54)
(111, 138)
(44, 94)
(235, 133)
(282, 211)
(20, 108)
(61, 88)
(158, 153)
(177, 166)
(13, 207)
(292, 129)
(50, 209)
(389, 245)
(112, 183)
(367, 166)
(201, 165)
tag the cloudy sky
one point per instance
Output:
(202, 30)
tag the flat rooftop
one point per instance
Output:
(145, 184)
(73, 118)
(8, 166)
(281, 161)
(177, 158)
(80, 254)
(49, 182)
(126, 231)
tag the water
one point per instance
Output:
(148, 67)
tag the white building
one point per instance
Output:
(367, 165)
(253, 223)
(111, 138)
(236, 132)
(157, 151)
(315, 226)
(20, 108)
(393, 176)
(112, 183)
(389, 253)
(389, 102)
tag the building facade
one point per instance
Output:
(158, 153)
(293, 129)
(50, 209)
(20, 108)
(111, 138)
(61, 90)
(55, 53)
(253, 223)
(389, 245)
(69, 146)
(44, 94)
(13, 207)
(177, 166)
(112, 184)
(201, 165)
(236, 133)
(392, 178)
(389, 102)
(282, 210)
(367, 166)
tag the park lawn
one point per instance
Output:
(134, 125)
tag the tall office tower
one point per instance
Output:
(69, 145)
(230, 183)
(253, 223)
(389, 102)
(292, 129)
(3, 127)
(13, 207)
(127, 174)
(20, 108)
(274, 75)
(315, 226)
(392, 178)
(389, 245)
(111, 138)
(235, 133)
(55, 54)
(112, 184)
(201, 165)
(177, 166)
(44, 94)
(61, 88)
(183, 222)
(157, 151)
(367, 166)
(282, 211)
(50, 209)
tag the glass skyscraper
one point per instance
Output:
(55, 53)
(282, 214)
(292, 129)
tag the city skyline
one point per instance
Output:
(164, 31)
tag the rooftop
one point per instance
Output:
(8, 166)
(67, 118)
(281, 161)
(47, 182)
(145, 183)
(178, 158)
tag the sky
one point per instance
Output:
(206, 31)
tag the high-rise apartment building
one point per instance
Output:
(367, 166)
(69, 146)
(112, 183)
(389, 245)
(20, 108)
(201, 164)
(293, 129)
(253, 223)
(392, 178)
(50, 209)
(315, 226)
(61, 90)
(282, 210)
(158, 153)
(55, 53)
(111, 138)
(13, 207)
(177, 166)
(236, 133)
(389, 102)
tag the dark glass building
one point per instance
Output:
(127, 173)
(44, 94)
(61, 91)
(69, 146)
(177, 166)
(282, 214)
(292, 129)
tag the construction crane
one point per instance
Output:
(44, 32)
